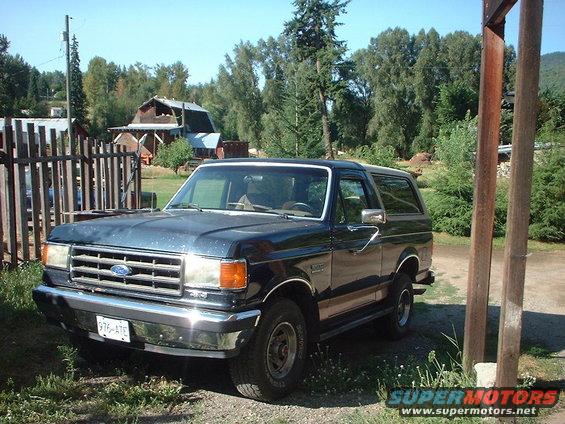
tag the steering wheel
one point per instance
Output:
(303, 207)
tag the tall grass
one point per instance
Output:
(377, 374)
(15, 291)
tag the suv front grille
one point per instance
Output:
(149, 272)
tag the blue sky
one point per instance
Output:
(199, 33)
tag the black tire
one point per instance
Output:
(401, 297)
(98, 352)
(253, 372)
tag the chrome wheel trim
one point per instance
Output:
(403, 308)
(281, 350)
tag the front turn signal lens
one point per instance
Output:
(55, 255)
(233, 274)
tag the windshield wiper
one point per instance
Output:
(185, 206)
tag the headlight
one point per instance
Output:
(214, 273)
(55, 255)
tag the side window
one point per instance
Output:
(353, 199)
(397, 195)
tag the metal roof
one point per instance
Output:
(177, 104)
(146, 127)
(58, 124)
(204, 140)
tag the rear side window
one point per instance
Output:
(397, 195)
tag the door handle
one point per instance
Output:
(372, 239)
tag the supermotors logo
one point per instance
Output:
(477, 401)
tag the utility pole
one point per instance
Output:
(67, 39)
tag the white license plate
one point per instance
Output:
(115, 329)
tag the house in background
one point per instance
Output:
(161, 120)
(57, 124)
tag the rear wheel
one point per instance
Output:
(270, 365)
(397, 324)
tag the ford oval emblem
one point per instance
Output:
(121, 270)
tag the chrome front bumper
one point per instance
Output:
(153, 327)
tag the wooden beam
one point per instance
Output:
(490, 95)
(494, 11)
(523, 136)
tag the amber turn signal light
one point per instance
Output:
(233, 275)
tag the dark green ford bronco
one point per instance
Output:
(251, 260)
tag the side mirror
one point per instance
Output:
(373, 216)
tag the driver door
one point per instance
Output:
(356, 267)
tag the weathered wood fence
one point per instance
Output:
(45, 181)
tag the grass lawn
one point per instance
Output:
(165, 186)
(445, 239)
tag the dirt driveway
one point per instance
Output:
(544, 296)
(439, 310)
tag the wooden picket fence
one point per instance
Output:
(46, 181)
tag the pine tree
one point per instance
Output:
(292, 128)
(78, 98)
(312, 31)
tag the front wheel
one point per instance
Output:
(397, 324)
(271, 365)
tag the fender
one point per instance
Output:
(275, 284)
(408, 253)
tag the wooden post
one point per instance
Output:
(65, 176)
(117, 175)
(82, 172)
(11, 220)
(129, 199)
(55, 179)
(88, 195)
(490, 96)
(73, 187)
(107, 186)
(98, 176)
(138, 182)
(34, 191)
(21, 195)
(44, 184)
(523, 135)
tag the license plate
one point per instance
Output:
(115, 329)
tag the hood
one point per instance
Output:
(205, 233)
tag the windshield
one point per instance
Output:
(284, 190)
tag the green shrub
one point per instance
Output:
(547, 216)
(174, 155)
(450, 203)
(456, 143)
(376, 154)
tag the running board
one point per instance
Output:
(356, 323)
(419, 291)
